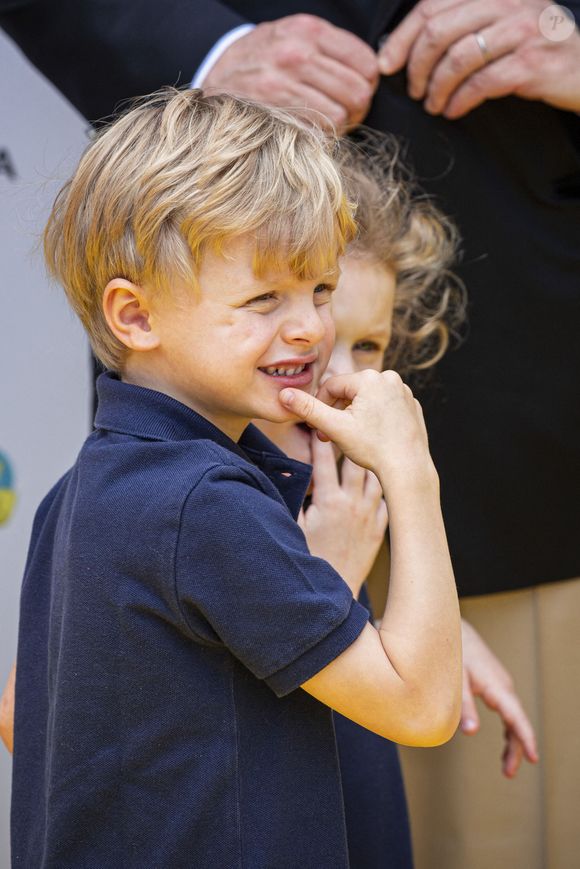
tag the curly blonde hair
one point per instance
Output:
(400, 228)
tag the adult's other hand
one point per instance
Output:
(459, 54)
(301, 61)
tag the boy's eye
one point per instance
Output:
(323, 292)
(265, 297)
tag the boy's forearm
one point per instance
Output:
(421, 626)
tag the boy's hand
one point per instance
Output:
(347, 519)
(484, 676)
(381, 428)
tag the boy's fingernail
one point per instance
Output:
(469, 724)
(287, 396)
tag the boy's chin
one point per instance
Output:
(281, 416)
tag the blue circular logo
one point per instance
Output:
(7, 493)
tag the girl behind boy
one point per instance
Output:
(396, 306)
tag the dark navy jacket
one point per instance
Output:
(170, 609)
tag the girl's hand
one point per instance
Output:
(484, 676)
(347, 519)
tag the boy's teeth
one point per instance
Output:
(285, 371)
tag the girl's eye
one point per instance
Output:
(367, 347)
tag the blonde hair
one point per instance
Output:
(182, 172)
(400, 228)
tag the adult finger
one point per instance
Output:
(465, 58)
(324, 470)
(394, 52)
(469, 715)
(352, 477)
(339, 83)
(349, 50)
(328, 113)
(498, 79)
(439, 35)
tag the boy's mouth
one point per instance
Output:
(290, 373)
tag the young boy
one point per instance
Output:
(170, 607)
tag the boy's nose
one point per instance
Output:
(304, 326)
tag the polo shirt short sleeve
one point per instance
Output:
(281, 612)
(169, 609)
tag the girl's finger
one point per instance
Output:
(382, 516)
(517, 722)
(352, 478)
(324, 471)
(373, 488)
(469, 715)
(512, 755)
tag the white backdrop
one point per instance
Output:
(44, 358)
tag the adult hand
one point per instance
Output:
(484, 676)
(301, 61)
(459, 53)
(346, 521)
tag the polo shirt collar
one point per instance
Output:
(145, 413)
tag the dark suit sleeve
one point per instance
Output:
(99, 52)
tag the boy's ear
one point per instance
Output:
(128, 313)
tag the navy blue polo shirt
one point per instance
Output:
(170, 610)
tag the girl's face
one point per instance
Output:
(362, 310)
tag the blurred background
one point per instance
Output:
(44, 356)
